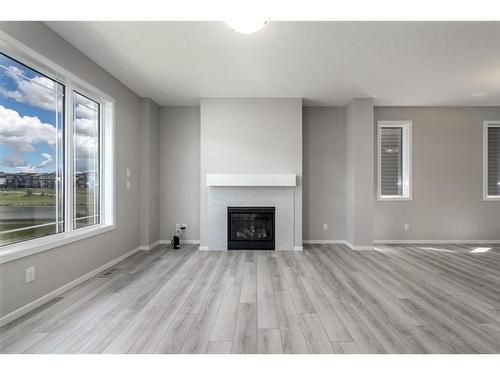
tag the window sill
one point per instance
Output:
(15, 251)
(394, 199)
(491, 198)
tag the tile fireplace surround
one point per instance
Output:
(258, 190)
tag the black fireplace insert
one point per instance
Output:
(250, 228)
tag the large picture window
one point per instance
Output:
(394, 160)
(52, 180)
(491, 160)
(31, 153)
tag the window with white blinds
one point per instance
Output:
(394, 160)
(492, 160)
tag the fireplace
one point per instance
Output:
(250, 228)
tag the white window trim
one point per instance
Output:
(407, 161)
(486, 125)
(15, 49)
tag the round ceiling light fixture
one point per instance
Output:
(246, 26)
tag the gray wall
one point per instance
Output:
(447, 178)
(360, 172)
(324, 171)
(251, 135)
(180, 171)
(149, 171)
(324, 164)
(59, 266)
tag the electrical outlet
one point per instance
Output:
(30, 274)
(406, 226)
(325, 226)
(128, 172)
(128, 185)
(177, 226)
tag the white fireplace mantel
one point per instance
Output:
(249, 179)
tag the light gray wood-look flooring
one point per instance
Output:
(326, 299)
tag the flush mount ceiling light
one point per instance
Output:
(246, 26)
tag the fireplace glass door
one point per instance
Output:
(250, 228)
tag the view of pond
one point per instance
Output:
(37, 213)
(30, 213)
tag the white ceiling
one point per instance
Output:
(326, 63)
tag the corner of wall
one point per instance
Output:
(148, 185)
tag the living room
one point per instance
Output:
(270, 187)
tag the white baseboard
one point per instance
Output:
(191, 242)
(337, 242)
(295, 248)
(402, 242)
(46, 298)
(359, 248)
(451, 242)
(149, 247)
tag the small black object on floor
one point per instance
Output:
(175, 242)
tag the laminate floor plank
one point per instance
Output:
(245, 335)
(332, 323)
(249, 284)
(267, 316)
(225, 323)
(345, 347)
(219, 347)
(300, 298)
(315, 335)
(174, 338)
(292, 336)
(269, 341)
